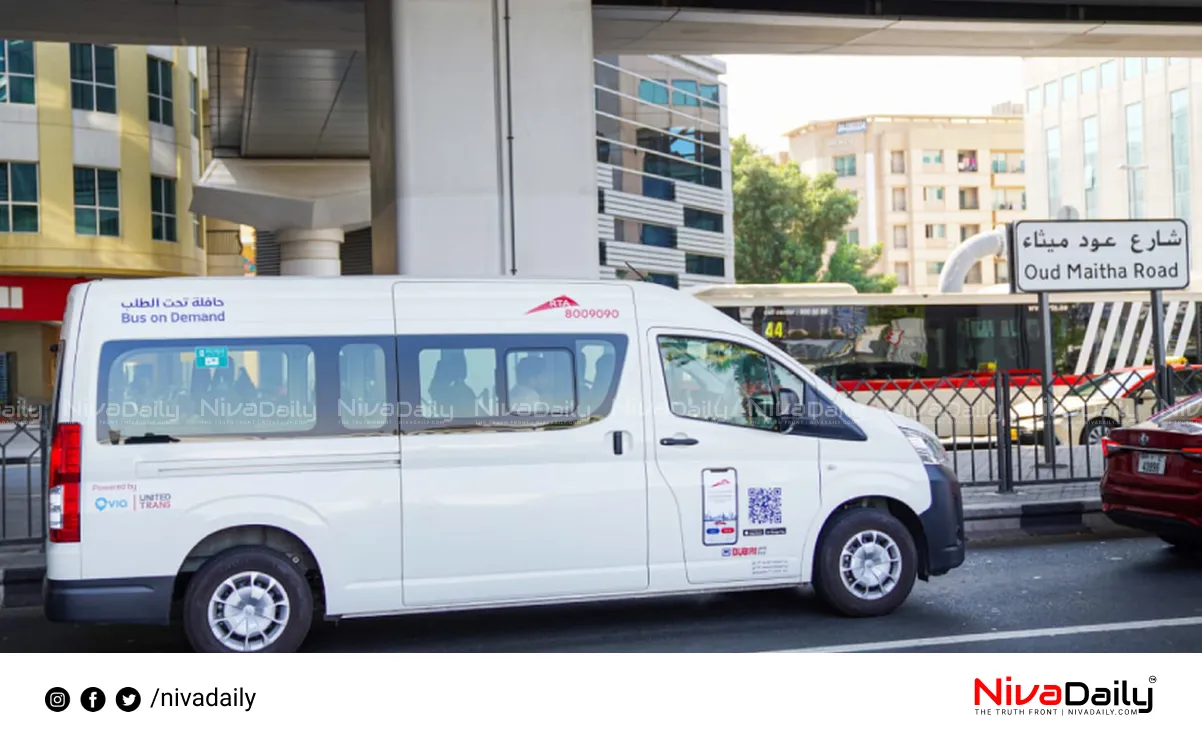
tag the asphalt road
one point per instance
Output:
(1010, 592)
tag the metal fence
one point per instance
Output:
(24, 454)
(995, 428)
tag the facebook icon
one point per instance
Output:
(92, 699)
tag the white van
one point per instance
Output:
(247, 453)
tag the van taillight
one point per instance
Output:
(63, 494)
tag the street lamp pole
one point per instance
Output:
(1164, 385)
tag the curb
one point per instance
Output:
(22, 586)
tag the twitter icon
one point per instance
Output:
(128, 699)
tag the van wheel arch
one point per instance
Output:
(895, 508)
(257, 535)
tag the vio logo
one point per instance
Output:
(107, 503)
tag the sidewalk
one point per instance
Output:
(1031, 511)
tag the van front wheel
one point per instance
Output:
(867, 563)
(248, 600)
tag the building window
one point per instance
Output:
(654, 91)
(1089, 80)
(194, 106)
(899, 199)
(970, 199)
(901, 237)
(1110, 73)
(1154, 64)
(97, 202)
(710, 95)
(18, 197)
(897, 160)
(198, 235)
(1001, 271)
(1009, 199)
(1135, 157)
(657, 235)
(934, 269)
(1033, 100)
(704, 265)
(1131, 67)
(1053, 154)
(158, 75)
(902, 270)
(845, 165)
(933, 193)
(966, 161)
(162, 209)
(685, 93)
(1051, 93)
(699, 219)
(1068, 86)
(932, 157)
(852, 237)
(969, 230)
(1179, 129)
(1008, 162)
(16, 72)
(974, 274)
(936, 231)
(94, 78)
(664, 279)
(1089, 136)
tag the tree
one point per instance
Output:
(850, 264)
(784, 219)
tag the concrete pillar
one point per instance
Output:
(223, 248)
(310, 252)
(482, 134)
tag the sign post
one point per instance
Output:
(1100, 255)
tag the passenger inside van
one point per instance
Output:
(532, 380)
(452, 396)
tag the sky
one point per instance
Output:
(769, 95)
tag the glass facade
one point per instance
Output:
(1135, 158)
(17, 72)
(1053, 154)
(1179, 130)
(1089, 138)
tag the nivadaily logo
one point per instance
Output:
(1070, 698)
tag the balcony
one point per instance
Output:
(969, 200)
(966, 161)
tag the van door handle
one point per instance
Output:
(617, 443)
(678, 441)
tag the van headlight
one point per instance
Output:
(930, 449)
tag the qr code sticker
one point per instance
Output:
(765, 505)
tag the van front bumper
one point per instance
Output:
(943, 522)
(112, 601)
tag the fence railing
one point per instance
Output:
(24, 455)
(995, 428)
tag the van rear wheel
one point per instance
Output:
(866, 563)
(248, 600)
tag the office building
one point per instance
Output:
(99, 148)
(924, 183)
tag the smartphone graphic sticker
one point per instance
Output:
(719, 506)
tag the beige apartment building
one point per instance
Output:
(925, 184)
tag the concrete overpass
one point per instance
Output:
(431, 119)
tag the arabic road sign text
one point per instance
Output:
(1100, 255)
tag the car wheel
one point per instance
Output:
(1096, 430)
(248, 600)
(866, 563)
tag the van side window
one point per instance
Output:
(507, 382)
(541, 382)
(457, 383)
(184, 391)
(364, 400)
(718, 381)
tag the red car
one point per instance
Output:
(1153, 478)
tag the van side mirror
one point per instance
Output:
(790, 412)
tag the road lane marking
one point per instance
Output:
(1022, 634)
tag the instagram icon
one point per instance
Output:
(57, 699)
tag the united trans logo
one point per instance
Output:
(1069, 698)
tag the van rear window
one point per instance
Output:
(189, 391)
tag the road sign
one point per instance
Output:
(1100, 255)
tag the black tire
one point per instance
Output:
(828, 580)
(227, 565)
(1185, 544)
(1104, 425)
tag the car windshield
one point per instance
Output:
(1110, 386)
(1189, 409)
